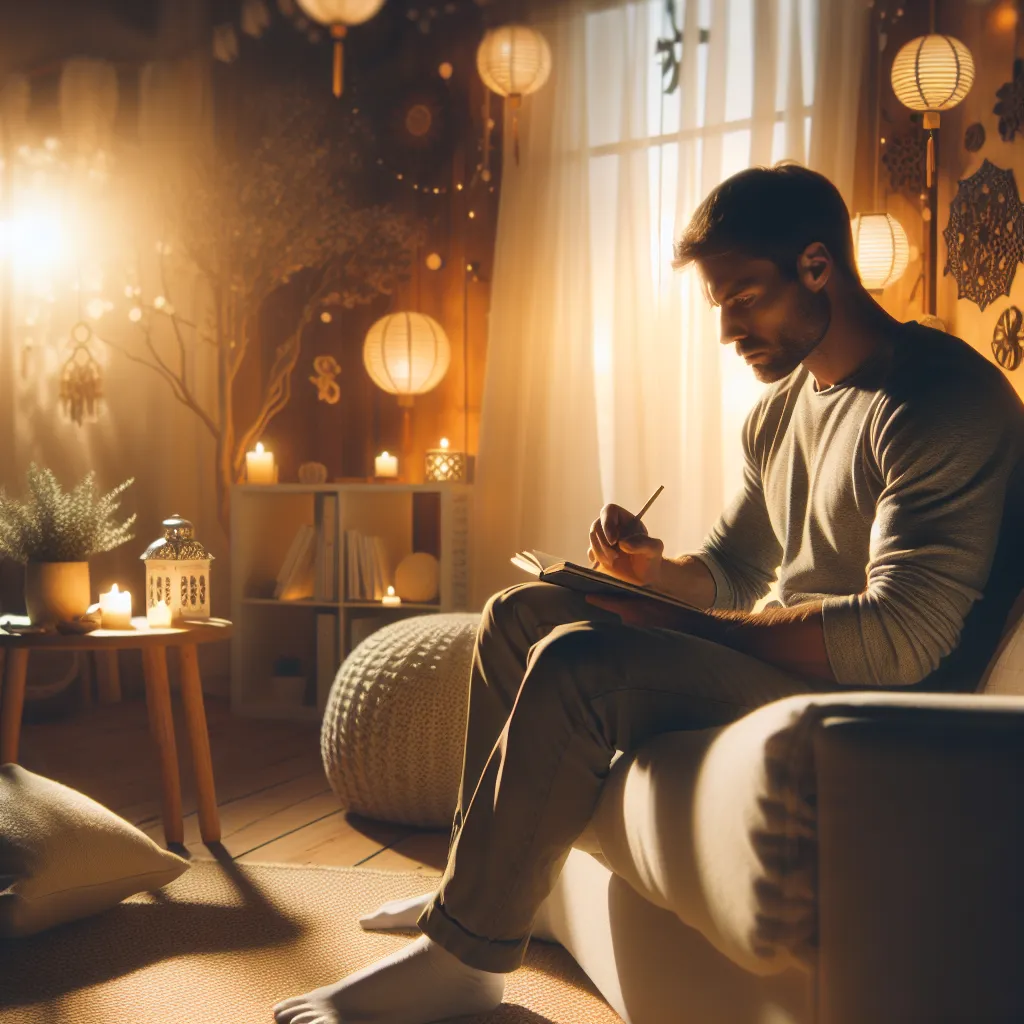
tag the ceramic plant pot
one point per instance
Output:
(56, 591)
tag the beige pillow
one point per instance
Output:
(63, 856)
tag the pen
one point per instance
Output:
(636, 519)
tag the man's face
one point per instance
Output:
(774, 321)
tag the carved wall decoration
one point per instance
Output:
(974, 137)
(985, 234)
(1010, 105)
(1006, 338)
(904, 160)
(327, 388)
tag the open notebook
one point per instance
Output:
(584, 580)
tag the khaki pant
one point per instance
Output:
(557, 687)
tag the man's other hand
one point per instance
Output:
(641, 611)
(623, 548)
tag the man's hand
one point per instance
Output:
(622, 547)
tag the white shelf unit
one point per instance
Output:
(264, 520)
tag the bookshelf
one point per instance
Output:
(320, 631)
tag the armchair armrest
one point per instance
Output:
(921, 862)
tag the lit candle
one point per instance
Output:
(385, 465)
(391, 598)
(159, 616)
(116, 609)
(444, 443)
(444, 465)
(259, 466)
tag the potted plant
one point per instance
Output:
(54, 533)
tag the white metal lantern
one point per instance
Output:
(406, 354)
(339, 14)
(881, 249)
(932, 73)
(178, 572)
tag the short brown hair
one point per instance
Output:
(770, 213)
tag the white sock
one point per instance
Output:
(402, 915)
(421, 983)
(396, 914)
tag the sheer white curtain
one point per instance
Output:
(604, 375)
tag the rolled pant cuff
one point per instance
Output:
(499, 956)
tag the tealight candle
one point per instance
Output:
(443, 465)
(385, 465)
(116, 609)
(259, 466)
(391, 599)
(159, 616)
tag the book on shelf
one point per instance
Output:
(367, 572)
(296, 575)
(585, 580)
(325, 576)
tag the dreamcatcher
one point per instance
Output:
(984, 234)
(1006, 338)
(81, 381)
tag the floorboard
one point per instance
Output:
(274, 801)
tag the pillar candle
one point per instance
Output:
(116, 609)
(385, 465)
(259, 466)
(159, 616)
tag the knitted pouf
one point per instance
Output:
(394, 728)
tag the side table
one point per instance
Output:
(153, 644)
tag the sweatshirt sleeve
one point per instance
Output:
(945, 456)
(742, 552)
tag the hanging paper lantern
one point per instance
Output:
(513, 61)
(932, 73)
(406, 354)
(339, 14)
(881, 248)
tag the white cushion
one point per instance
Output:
(64, 856)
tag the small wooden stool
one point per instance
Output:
(153, 644)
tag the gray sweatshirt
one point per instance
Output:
(896, 497)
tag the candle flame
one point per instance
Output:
(391, 591)
(444, 442)
(259, 447)
(113, 589)
(383, 455)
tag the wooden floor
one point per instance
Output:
(275, 803)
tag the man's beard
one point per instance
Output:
(792, 346)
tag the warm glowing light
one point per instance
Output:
(259, 447)
(1004, 16)
(444, 443)
(932, 73)
(34, 239)
(95, 308)
(513, 60)
(129, 291)
(159, 302)
(325, 317)
(445, 70)
(881, 248)
(135, 314)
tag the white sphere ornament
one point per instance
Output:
(417, 578)
(513, 60)
(339, 15)
(881, 248)
(406, 354)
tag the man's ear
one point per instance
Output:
(814, 266)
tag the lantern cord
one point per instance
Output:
(514, 102)
(338, 33)
(931, 17)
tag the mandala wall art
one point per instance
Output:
(985, 234)
(1006, 338)
(1010, 107)
(974, 137)
(904, 160)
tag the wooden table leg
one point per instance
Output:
(199, 741)
(13, 703)
(158, 703)
(108, 677)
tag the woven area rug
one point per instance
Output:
(225, 942)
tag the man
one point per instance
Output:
(883, 479)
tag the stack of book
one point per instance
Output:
(368, 573)
(310, 569)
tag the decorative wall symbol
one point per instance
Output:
(974, 137)
(1010, 107)
(985, 234)
(904, 160)
(81, 382)
(327, 369)
(1006, 338)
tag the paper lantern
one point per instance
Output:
(178, 572)
(881, 248)
(514, 60)
(932, 73)
(339, 14)
(406, 354)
